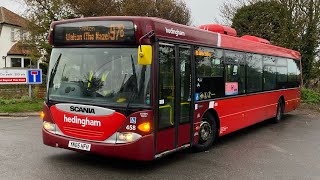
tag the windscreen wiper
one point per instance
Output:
(52, 74)
(134, 94)
(135, 75)
(132, 97)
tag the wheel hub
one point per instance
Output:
(205, 131)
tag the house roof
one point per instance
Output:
(9, 17)
(19, 49)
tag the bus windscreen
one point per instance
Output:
(93, 32)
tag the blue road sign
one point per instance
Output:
(34, 76)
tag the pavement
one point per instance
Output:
(20, 114)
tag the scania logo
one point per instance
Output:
(82, 109)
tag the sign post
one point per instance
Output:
(30, 95)
(34, 77)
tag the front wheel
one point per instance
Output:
(280, 109)
(207, 133)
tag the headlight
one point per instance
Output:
(125, 137)
(49, 126)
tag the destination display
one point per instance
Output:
(93, 32)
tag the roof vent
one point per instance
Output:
(255, 39)
(219, 29)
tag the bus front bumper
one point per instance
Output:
(142, 149)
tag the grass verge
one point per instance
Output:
(20, 105)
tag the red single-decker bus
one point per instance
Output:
(142, 87)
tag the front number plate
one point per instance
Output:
(79, 145)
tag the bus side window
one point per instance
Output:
(235, 73)
(254, 72)
(209, 73)
(293, 73)
(282, 73)
(298, 74)
(269, 73)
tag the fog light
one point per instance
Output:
(125, 137)
(49, 126)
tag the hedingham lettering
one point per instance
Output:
(175, 32)
(82, 122)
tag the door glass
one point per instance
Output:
(166, 86)
(185, 83)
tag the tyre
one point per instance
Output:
(207, 133)
(279, 113)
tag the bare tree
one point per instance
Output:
(174, 10)
(40, 14)
(95, 8)
(230, 7)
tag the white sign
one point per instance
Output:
(20, 76)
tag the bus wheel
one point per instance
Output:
(280, 109)
(207, 133)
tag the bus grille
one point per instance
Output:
(83, 132)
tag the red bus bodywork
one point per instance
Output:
(233, 113)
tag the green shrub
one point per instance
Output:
(29, 106)
(310, 96)
(8, 101)
(35, 91)
(23, 99)
(44, 67)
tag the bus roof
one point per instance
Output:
(168, 30)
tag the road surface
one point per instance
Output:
(288, 150)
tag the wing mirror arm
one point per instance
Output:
(148, 35)
(145, 51)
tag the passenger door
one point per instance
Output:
(174, 95)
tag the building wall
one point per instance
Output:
(6, 43)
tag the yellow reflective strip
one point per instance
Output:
(90, 78)
(185, 103)
(171, 112)
(165, 106)
(104, 77)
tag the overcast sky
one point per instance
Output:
(203, 11)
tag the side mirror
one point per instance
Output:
(145, 54)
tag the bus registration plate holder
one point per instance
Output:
(79, 145)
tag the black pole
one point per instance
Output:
(5, 61)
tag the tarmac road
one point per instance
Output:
(288, 150)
